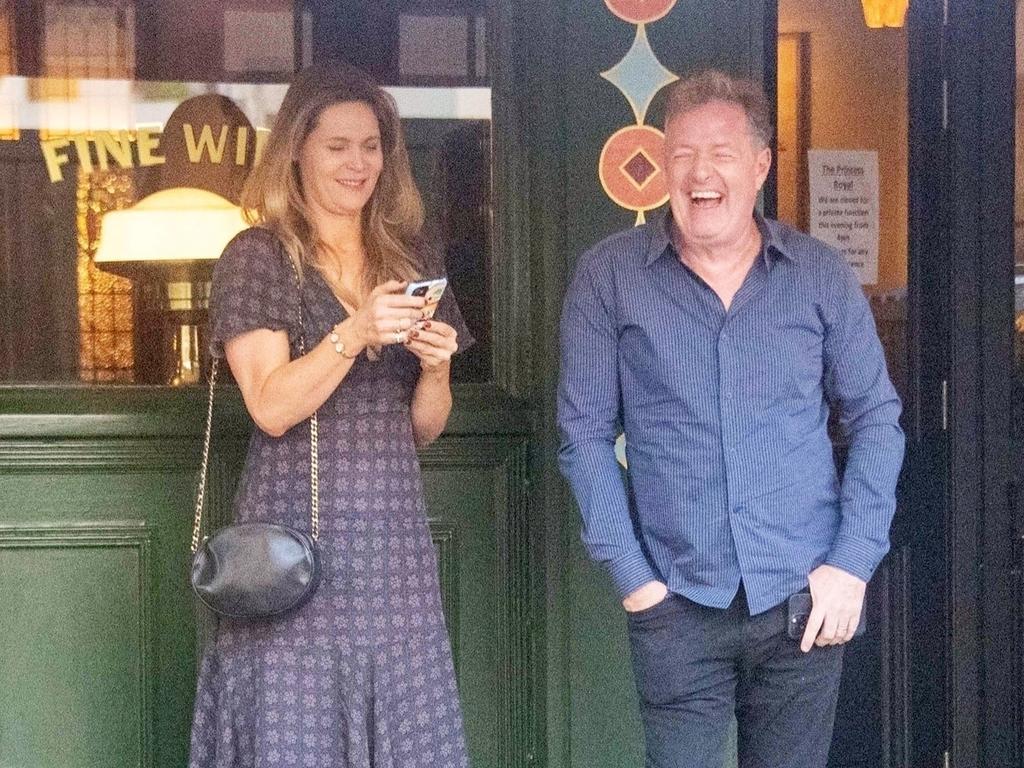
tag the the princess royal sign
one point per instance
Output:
(844, 206)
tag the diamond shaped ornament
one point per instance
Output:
(639, 75)
(639, 168)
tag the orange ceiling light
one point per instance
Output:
(884, 13)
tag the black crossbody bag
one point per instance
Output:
(257, 570)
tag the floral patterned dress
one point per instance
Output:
(361, 676)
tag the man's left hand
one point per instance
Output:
(837, 598)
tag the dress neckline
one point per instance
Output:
(345, 311)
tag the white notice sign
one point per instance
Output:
(844, 206)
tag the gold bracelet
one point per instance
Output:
(339, 345)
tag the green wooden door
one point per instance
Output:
(598, 726)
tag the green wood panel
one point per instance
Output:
(98, 627)
(476, 488)
(464, 500)
(81, 485)
(74, 646)
(446, 544)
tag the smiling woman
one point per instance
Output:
(344, 140)
(336, 216)
(342, 159)
(102, 154)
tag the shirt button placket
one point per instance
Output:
(727, 380)
(725, 398)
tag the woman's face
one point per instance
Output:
(341, 159)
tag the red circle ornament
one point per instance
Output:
(631, 169)
(640, 11)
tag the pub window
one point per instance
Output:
(105, 103)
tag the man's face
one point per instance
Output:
(715, 169)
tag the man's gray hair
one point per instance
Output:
(702, 88)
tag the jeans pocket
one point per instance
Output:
(646, 615)
(656, 644)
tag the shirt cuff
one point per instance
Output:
(630, 572)
(855, 556)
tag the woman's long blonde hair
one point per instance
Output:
(272, 196)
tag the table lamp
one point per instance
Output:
(168, 241)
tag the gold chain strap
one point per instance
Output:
(314, 480)
(198, 521)
(314, 447)
(314, 444)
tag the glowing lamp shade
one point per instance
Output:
(884, 13)
(181, 224)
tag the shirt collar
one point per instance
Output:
(772, 245)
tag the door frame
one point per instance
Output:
(981, 72)
(929, 532)
(975, 156)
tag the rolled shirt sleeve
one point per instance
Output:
(857, 385)
(588, 422)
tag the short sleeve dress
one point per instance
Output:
(361, 676)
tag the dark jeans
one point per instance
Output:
(695, 666)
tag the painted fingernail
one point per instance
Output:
(426, 324)
(414, 334)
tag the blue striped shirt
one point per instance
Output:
(731, 473)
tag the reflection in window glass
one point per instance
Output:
(105, 104)
(85, 41)
(106, 305)
(275, 53)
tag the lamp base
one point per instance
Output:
(186, 353)
(173, 320)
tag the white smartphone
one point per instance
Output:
(431, 290)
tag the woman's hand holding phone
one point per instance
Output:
(432, 341)
(387, 315)
(399, 312)
(431, 291)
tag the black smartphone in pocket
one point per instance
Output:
(799, 611)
